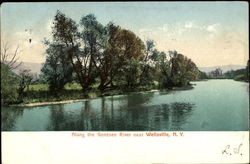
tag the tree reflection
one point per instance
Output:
(157, 117)
(83, 121)
(180, 112)
(108, 114)
(9, 117)
(62, 120)
(138, 99)
(57, 118)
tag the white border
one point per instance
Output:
(65, 148)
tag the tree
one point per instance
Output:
(64, 52)
(110, 61)
(217, 73)
(239, 74)
(9, 62)
(146, 77)
(122, 46)
(131, 54)
(97, 52)
(94, 37)
(84, 49)
(202, 75)
(130, 72)
(177, 71)
(8, 58)
(162, 69)
(25, 78)
(183, 70)
(8, 85)
(57, 70)
(150, 45)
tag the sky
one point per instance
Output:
(210, 33)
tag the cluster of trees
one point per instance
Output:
(203, 75)
(217, 73)
(91, 53)
(240, 74)
(109, 55)
(8, 85)
(13, 84)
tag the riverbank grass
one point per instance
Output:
(40, 95)
(72, 91)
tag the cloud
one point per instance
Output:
(164, 28)
(143, 30)
(202, 42)
(189, 24)
(213, 28)
(180, 29)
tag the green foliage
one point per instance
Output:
(57, 70)
(240, 77)
(122, 46)
(25, 78)
(64, 29)
(217, 73)
(202, 75)
(72, 86)
(164, 74)
(8, 85)
(94, 38)
(95, 53)
(38, 87)
(183, 70)
(102, 59)
(130, 73)
(240, 74)
(147, 75)
(177, 71)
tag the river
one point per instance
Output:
(213, 105)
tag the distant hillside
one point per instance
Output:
(34, 67)
(224, 68)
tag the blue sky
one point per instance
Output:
(210, 33)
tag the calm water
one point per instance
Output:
(211, 106)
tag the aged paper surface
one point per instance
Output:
(124, 82)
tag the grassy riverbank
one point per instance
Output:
(39, 94)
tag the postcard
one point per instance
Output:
(124, 82)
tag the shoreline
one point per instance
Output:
(73, 100)
(50, 103)
(85, 99)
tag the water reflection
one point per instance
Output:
(110, 114)
(210, 106)
(57, 118)
(9, 117)
(180, 112)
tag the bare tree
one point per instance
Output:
(10, 59)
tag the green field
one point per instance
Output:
(45, 87)
(72, 91)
